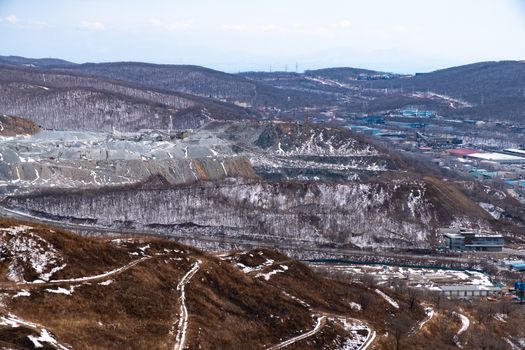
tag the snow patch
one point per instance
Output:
(61, 290)
(388, 299)
(355, 306)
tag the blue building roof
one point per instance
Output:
(519, 267)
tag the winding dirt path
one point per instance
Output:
(183, 318)
(23, 285)
(465, 324)
(321, 321)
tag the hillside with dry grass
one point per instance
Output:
(61, 291)
(11, 126)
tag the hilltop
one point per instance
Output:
(485, 90)
(65, 100)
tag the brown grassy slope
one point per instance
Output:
(12, 126)
(228, 309)
(327, 296)
(452, 200)
(83, 257)
(135, 311)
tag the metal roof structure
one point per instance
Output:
(496, 157)
(462, 151)
(515, 151)
(468, 287)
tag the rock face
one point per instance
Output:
(274, 182)
(11, 126)
(112, 173)
(397, 213)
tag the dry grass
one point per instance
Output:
(228, 309)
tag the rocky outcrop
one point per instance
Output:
(112, 173)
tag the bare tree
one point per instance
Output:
(400, 325)
(413, 296)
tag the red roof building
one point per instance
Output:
(461, 152)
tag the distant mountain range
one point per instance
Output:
(131, 95)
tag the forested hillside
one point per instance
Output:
(70, 101)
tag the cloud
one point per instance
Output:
(235, 28)
(15, 22)
(342, 24)
(92, 25)
(401, 28)
(256, 28)
(11, 19)
(170, 26)
(317, 29)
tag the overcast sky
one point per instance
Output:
(237, 35)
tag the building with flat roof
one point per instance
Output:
(501, 158)
(467, 240)
(515, 151)
(461, 152)
(469, 290)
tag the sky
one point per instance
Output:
(404, 36)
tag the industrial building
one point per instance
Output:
(468, 240)
(518, 267)
(469, 290)
(417, 113)
(437, 141)
(462, 152)
(500, 158)
(515, 152)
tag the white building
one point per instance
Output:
(469, 290)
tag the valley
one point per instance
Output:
(143, 205)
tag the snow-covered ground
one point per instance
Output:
(360, 335)
(267, 275)
(388, 299)
(23, 248)
(44, 335)
(416, 277)
(248, 269)
(300, 301)
(448, 100)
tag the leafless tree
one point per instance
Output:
(400, 325)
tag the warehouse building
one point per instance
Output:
(500, 158)
(469, 291)
(515, 152)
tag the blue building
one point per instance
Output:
(518, 267)
(417, 113)
(374, 119)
